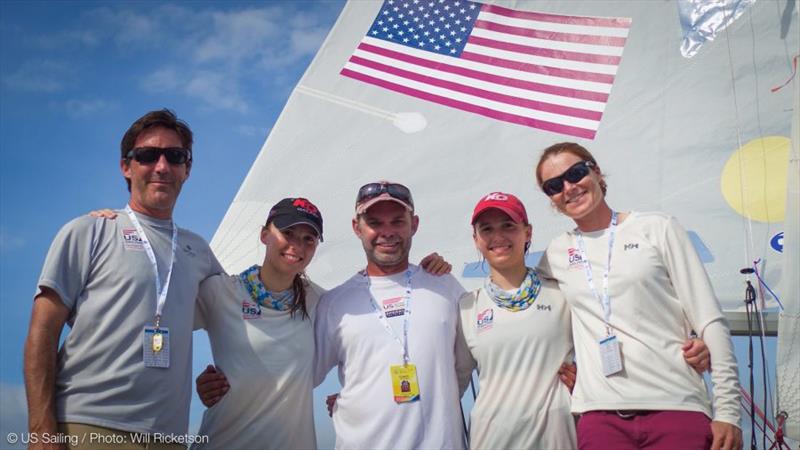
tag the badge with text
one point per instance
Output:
(393, 307)
(574, 259)
(131, 240)
(404, 383)
(485, 320)
(610, 355)
(250, 310)
(155, 348)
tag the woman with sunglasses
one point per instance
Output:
(636, 290)
(517, 332)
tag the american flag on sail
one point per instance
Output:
(545, 71)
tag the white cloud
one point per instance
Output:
(240, 35)
(252, 130)
(66, 40)
(307, 41)
(162, 80)
(42, 75)
(124, 26)
(77, 108)
(217, 91)
(215, 53)
(9, 241)
(239, 47)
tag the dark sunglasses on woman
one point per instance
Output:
(575, 173)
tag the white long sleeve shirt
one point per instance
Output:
(659, 291)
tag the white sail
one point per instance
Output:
(703, 139)
(787, 363)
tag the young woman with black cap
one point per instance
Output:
(260, 325)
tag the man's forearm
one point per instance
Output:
(41, 347)
(40, 370)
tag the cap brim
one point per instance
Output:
(283, 223)
(514, 215)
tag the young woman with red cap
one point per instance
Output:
(518, 332)
(636, 289)
(517, 329)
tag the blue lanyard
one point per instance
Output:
(406, 313)
(605, 301)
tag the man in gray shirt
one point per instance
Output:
(127, 289)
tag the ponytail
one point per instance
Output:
(299, 290)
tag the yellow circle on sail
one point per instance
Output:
(753, 181)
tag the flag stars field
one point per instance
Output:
(545, 71)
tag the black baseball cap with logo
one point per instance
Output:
(294, 211)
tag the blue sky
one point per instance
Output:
(74, 75)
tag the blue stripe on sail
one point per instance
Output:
(700, 247)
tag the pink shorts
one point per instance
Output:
(656, 430)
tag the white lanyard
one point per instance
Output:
(161, 290)
(406, 313)
(605, 301)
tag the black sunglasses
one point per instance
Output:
(575, 173)
(372, 190)
(149, 155)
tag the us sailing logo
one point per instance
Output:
(250, 310)
(485, 319)
(131, 239)
(574, 259)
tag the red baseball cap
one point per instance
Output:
(508, 203)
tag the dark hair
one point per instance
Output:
(299, 284)
(163, 118)
(568, 147)
(299, 290)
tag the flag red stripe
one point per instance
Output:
(482, 93)
(513, 118)
(612, 41)
(522, 84)
(536, 68)
(555, 18)
(546, 52)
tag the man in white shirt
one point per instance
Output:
(397, 369)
